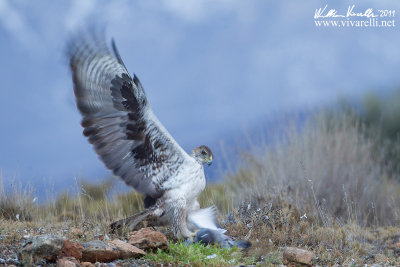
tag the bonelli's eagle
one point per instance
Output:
(130, 140)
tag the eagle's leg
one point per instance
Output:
(132, 221)
(179, 220)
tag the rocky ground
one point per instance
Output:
(43, 247)
(280, 234)
(38, 247)
(27, 244)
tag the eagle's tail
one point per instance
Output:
(132, 221)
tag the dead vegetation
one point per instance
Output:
(322, 186)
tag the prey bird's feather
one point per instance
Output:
(206, 218)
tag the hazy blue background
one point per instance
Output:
(211, 70)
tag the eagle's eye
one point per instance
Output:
(203, 152)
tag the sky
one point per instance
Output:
(210, 69)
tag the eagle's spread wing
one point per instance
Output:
(117, 118)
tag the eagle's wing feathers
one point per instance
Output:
(118, 121)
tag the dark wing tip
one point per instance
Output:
(137, 81)
(116, 53)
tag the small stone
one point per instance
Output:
(12, 261)
(67, 262)
(87, 264)
(212, 256)
(297, 255)
(76, 232)
(44, 247)
(127, 250)
(100, 251)
(72, 249)
(148, 239)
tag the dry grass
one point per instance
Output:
(17, 203)
(327, 169)
(91, 208)
(322, 186)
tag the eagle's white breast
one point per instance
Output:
(189, 182)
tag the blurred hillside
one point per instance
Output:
(381, 116)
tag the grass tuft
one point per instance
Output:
(198, 255)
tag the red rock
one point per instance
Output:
(68, 262)
(127, 250)
(72, 249)
(297, 255)
(87, 264)
(148, 239)
(100, 251)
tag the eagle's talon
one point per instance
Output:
(191, 239)
(193, 236)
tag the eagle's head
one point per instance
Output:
(202, 154)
